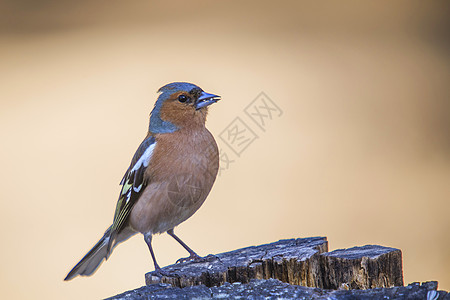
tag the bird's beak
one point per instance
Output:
(206, 99)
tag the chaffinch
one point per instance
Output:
(169, 178)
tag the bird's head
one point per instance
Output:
(180, 105)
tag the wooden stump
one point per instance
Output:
(303, 262)
(364, 267)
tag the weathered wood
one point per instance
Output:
(274, 289)
(368, 272)
(364, 267)
(296, 261)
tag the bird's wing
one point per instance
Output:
(133, 183)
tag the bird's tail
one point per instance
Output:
(92, 260)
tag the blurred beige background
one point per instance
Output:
(361, 153)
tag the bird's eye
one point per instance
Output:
(182, 98)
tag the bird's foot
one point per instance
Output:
(212, 257)
(198, 259)
(192, 257)
(161, 273)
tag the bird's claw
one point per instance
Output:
(194, 258)
(197, 259)
(212, 257)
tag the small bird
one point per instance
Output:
(169, 178)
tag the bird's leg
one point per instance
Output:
(148, 240)
(192, 255)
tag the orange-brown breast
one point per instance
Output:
(181, 173)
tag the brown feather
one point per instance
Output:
(184, 167)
